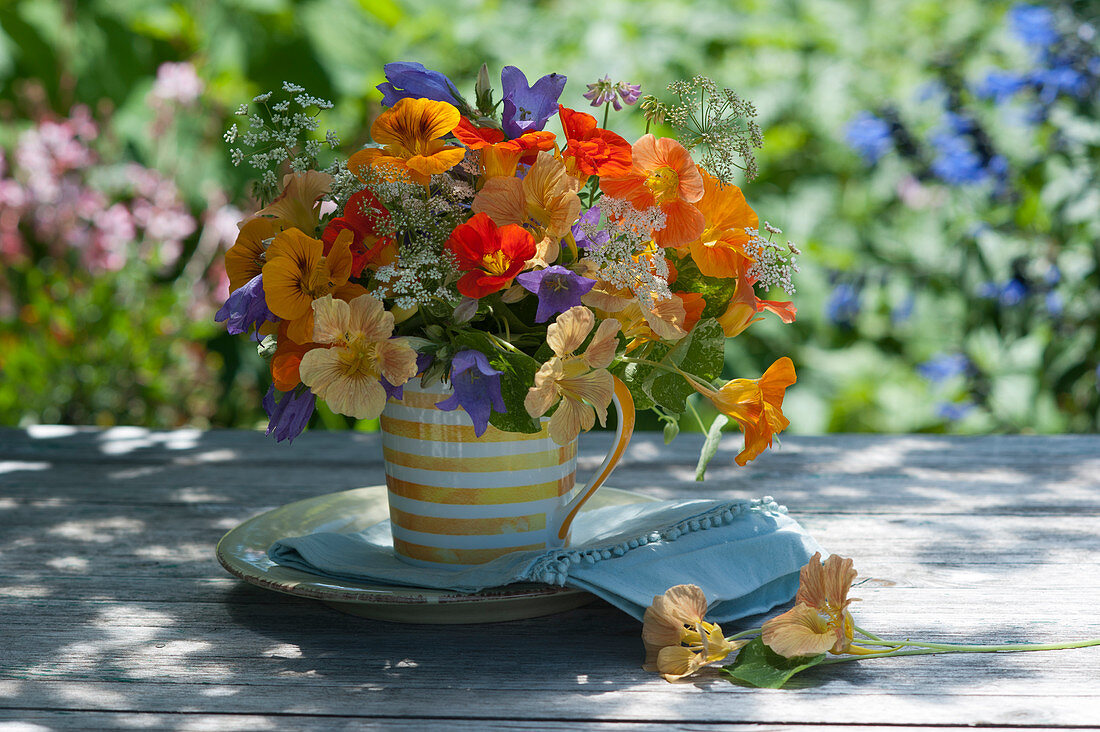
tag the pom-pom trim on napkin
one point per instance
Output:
(554, 569)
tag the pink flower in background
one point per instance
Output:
(177, 82)
(604, 92)
(114, 232)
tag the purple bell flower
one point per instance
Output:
(290, 415)
(411, 80)
(246, 308)
(584, 231)
(527, 108)
(476, 387)
(558, 289)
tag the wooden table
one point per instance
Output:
(114, 612)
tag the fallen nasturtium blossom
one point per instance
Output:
(678, 642)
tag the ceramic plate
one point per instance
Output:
(243, 551)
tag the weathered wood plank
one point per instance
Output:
(113, 608)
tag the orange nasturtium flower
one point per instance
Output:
(347, 375)
(287, 359)
(409, 133)
(499, 157)
(245, 259)
(490, 256)
(820, 620)
(546, 199)
(298, 272)
(580, 381)
(744, 307)
(756, 405)
(719, 250)
(663, 175)
(678, 642)
(592, 150)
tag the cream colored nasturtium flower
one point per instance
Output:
(347, 375)
(678, 642)
(820, 620)
(580, 381)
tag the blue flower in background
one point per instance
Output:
(903, 310)
(1008, 294)
(1054, 302)
(1000, 86)
(869, 136)
(476, 387)
(290, 415)
(1059, 79)
(843, 305)
(953, 411)
(1034, 25)
(958, 161)
(944, 366)
(409, 79)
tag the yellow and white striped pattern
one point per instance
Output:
(459, 499)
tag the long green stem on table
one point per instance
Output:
(866, 633)
(743, 633)
(970, 648)
(933, 648)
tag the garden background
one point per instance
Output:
(936, 163)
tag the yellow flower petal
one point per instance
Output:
(568, 331)
(801, 631)
(594, 388)
(396, 360)
(601, 350)
(331, 319)
(571, 417)
(503, 200)
(543, 394)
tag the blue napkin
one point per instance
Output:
(745, 555)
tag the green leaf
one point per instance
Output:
(634, 375)
(519, 373)
(700, 353)
(757, 665)
(710, 447)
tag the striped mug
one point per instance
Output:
(458, 500)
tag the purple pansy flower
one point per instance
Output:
(527, 108)
(246, 308)
(423, 361)
(558, 289)
(588, 222)
(476, 387)
(290, 415)
(411, 80)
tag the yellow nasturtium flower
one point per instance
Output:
(678, 642)
(409, 133)
(347, 375)
(820, 620)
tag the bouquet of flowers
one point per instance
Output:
(528, 269)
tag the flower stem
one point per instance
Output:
(971, 648)
(665, 367)
(606, 111)
(743, 633)
(866, 634)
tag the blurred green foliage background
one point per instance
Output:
(950, 243)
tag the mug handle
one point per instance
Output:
(624, 406)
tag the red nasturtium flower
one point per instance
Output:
(490, 256)
(592, 150)
(365, 217)
(499, 156)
